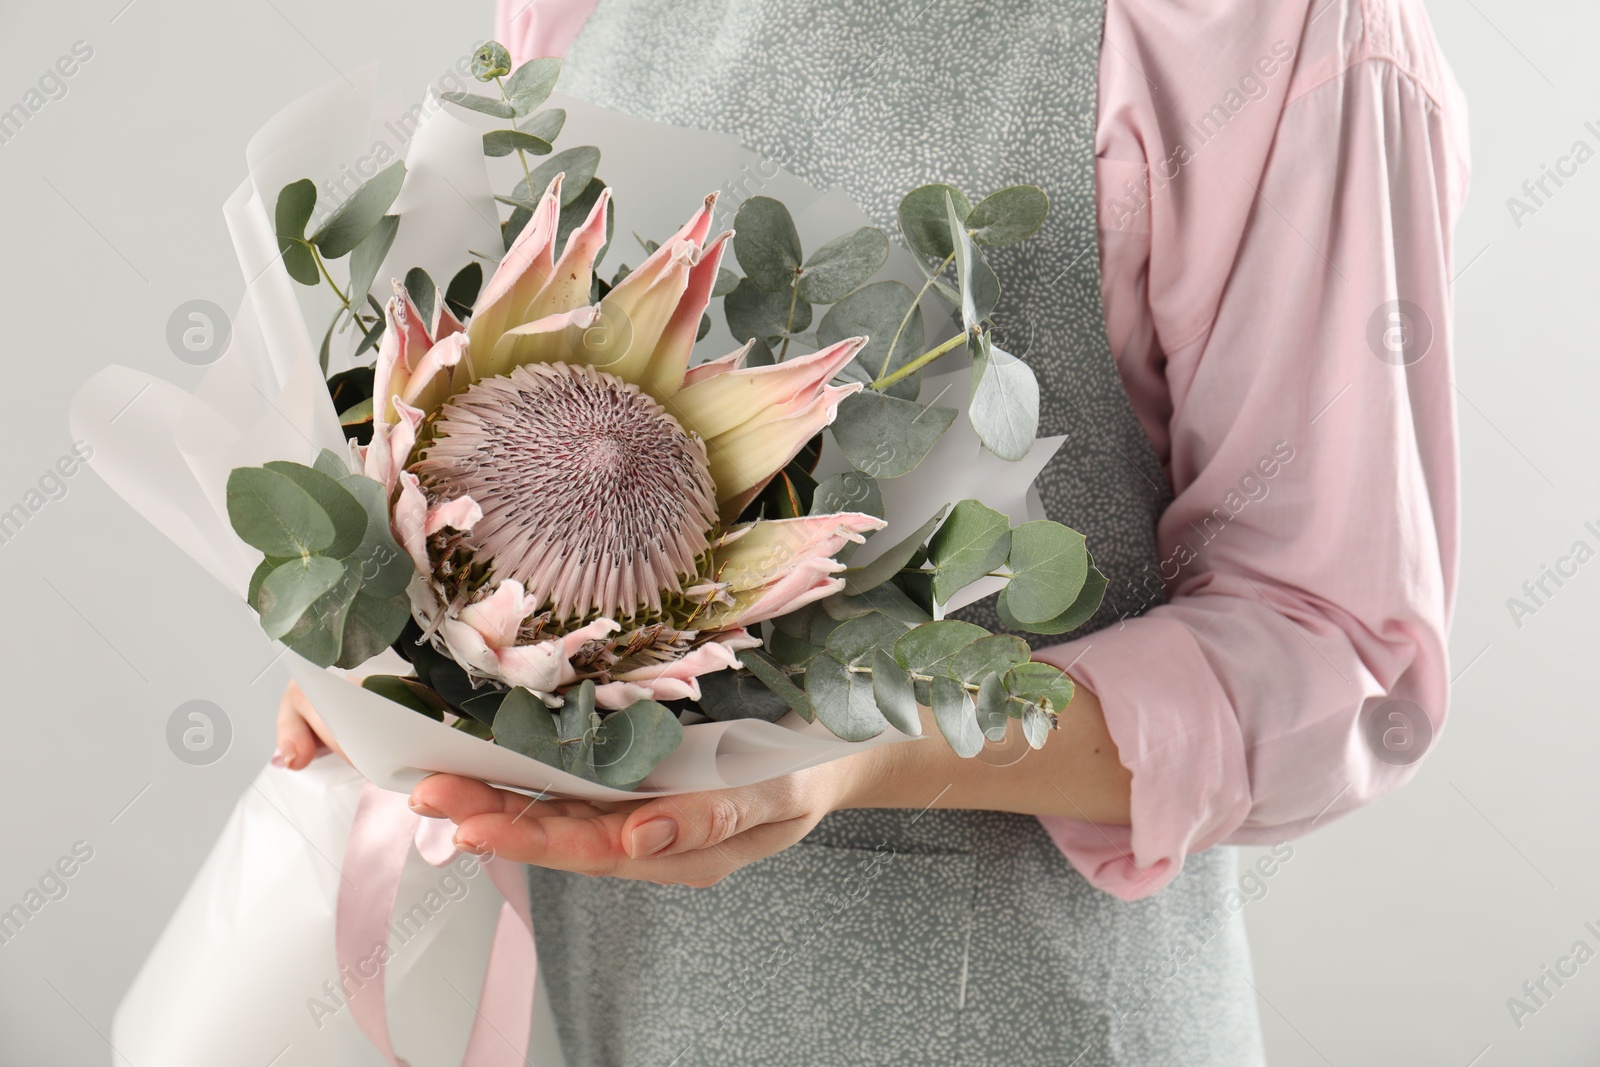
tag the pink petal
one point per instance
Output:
(522, 273)
(428, 383)
(810, 580)
(546, 340)
(745, 459)
(721, 365)
(498, 616)
(614, 696)
(670, 360)
(462, 513)
(407, 519)
(723, 402)
(573, 277)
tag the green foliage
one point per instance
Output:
(333, 582)
(925, 219)
(767, 244)
(1049, 564)
(972, 542)
(1008, 216)
(368, 256)
(1005, 401)
(885, 436)
(352, 221)
(296, 202)
(841, 265)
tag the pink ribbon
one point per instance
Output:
(381, 839)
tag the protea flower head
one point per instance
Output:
(567, 485)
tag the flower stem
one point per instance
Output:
(344, 300)
(788, 327)
(889, 353)
(920, 362)
(527, 175)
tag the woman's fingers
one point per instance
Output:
(300, 731)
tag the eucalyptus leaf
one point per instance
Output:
(791, 651)
(1049, 564)
(887, 598)
(292, 588)
(532, 83)
(1010, 215)
(545, 125)
(973, 541)
(885, 436)
(767, 244)
(876, 311)
(296, 202)
(523, 724)
(855, 641)
(891, 688)
(462, 291)
(992, 714)
(847, 491)
(925, 221)
(632, 741)
(891, 560)
(383, 567)
(1039, 683)
(992, 655)
(576, 722)
(843, 264)
(1036, 725)
(368, 256)
(371, 625)
(486, 105)
(578, 163)
(318, 635)
(407, 693)
(844, 699)
(491, 61)
(358, 216)
(755, 312)
(505, 142)
(772, 674)
(1086, 604)
(729, 695)
(1005, 401)
(727, 281)
(423, 292)
(272, 513)
(349, 518)
(931, 647)
(953, 710)
(965, 255)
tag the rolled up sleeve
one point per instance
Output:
(1308, 558)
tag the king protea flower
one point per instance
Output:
(566, 484)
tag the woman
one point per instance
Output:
(1254, 376)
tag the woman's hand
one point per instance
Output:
(698, 839)
(692, 839)
(302, 735)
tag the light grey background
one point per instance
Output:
(1392, 937)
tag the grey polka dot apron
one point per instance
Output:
(888, 937)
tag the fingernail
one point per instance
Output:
(477, 848)
(425, 810)
(277, 758)
(651, 837)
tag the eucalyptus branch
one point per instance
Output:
(527, 175)
(343, 300)
(895, 340)
(788, 327)
(921, 361)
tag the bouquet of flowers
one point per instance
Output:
(589, 539)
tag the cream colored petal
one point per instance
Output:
(722, 402)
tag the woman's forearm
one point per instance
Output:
(1077, 774)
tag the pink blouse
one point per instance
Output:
(1273, 175)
